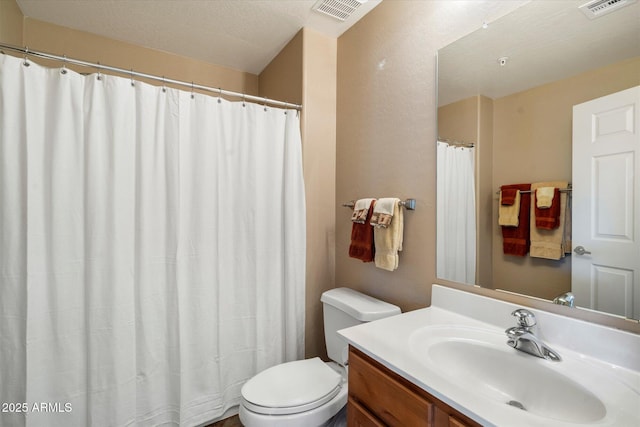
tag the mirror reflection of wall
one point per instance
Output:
(524, 134)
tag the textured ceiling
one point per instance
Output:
(241, 34)
(544, 41)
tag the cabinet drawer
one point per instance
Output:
(454, 422)
(393, 400)
(357, 416)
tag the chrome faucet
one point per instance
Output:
(567, 299)
(522, 338)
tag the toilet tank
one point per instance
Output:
(344, 307)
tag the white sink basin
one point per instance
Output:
(456, 350)
(481, 361)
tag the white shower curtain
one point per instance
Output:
(152, 249)
(456, 214)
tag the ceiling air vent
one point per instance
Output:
(596, 8)
(339, 9)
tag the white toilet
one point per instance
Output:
(308, 393)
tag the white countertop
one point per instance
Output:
(605, 361)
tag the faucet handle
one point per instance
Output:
(525, 318)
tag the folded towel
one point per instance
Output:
(545, 243)
(544, 197)
(508, 196)
(508, 213)
(383, 211)
(515, 240)
(548, 218)
(388, 241)
(361, 210)
(361, 246)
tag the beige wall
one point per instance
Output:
(386, 144)
(282, 78)
(15, 29)
(458, 121)
(532, 142)
(305, 72)
(484, 197)
(10, 23)
(387, 131)
(319, 151)
(59, 40)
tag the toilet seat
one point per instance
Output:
(291, 388)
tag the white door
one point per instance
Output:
(606, 204)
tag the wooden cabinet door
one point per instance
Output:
(390, 400)
(357, 416)
(380, 397)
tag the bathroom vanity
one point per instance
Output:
(450, 365)
(379, 397)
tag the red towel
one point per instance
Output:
(508, 196)
(516, 240)
(362, 246)
(548, 219)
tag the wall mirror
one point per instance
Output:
(508, 90)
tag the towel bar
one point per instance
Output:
(409, 204)
(562, 190)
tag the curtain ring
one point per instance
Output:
(26, 61)
(63, 70)
(133, 83)
(99, 76)
(219, 95)
(265, 104)
(243, 103)
(164, 85)
(193, 96)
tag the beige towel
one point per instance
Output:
(549, 244)
(388, 241)
(361, 210)
(383, 211)
(544, 197)
(508, 214)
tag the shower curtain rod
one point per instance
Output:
(27, 52)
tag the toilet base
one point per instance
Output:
(317, 417)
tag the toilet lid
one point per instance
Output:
(291, 387)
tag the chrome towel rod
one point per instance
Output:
(409, 204)
(562, 190)
(130, 73)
